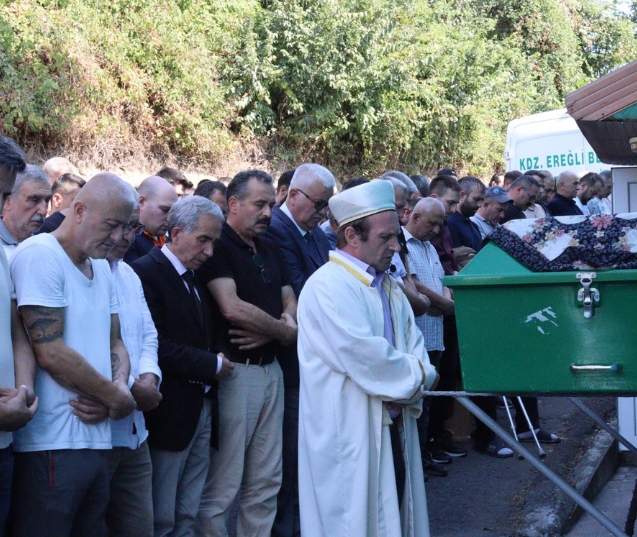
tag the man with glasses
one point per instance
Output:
(304, 248)
(257, 310)
(68, 303)
(17, 363)
(130, 507)
(156, 197)
(537, 209)
(523, 191)
(563, 203)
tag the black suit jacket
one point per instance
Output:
(141, 246)
(185, 356)
(300, 264)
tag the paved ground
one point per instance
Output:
(613, 501)
(485, 497)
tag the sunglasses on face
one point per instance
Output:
(319, 205)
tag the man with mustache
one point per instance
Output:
(25, 209)
(256, 314)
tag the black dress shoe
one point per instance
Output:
(431, 468)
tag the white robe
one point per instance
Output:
(347, 485)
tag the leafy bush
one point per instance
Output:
(360, 85)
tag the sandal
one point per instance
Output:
(543, 437)
(497, 449)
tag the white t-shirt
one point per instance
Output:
(44, 275)
(7, 374)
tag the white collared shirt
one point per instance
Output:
(179, 267)
(140, 338)
(286, 210)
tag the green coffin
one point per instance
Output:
(525, 332)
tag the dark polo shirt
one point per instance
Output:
(464, 232)
(233, 258)
(562, 206)
(51, 223)
(512, 213)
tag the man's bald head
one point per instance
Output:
(426, 219)
(567, 184)
(100, 211)
(57, 166)
(108, 188)
(153, 185)
(310, 189)
(156, 197)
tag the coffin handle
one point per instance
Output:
(615, 368)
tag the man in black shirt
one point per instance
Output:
(563, 203)
(256, 311)
(523, 191)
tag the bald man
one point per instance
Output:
(304, 248)
(563, 202)
(56, 167)
(156, 197)
(68, 303)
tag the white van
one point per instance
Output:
(549, 141)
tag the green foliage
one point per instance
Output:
(360, 85)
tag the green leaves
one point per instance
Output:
(360, 85)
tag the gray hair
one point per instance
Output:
(185, 213)
(32, 174)
(396, 183)
(563, 177)
(306, 173)
(404, 179)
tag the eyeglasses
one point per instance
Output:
(258, 261)
(532, 197)
(139, 228)
(319, 205)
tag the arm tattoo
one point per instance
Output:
(77, 389)
(45, 325)
(116, 366)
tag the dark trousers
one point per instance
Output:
(423, 420)
(397, 454)
(530, 404)
(442, 407)
(6, 476)
(60, 493)
(483, 435)
(288, 522)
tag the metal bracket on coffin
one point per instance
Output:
(587, 295)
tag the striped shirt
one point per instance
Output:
(425, 266)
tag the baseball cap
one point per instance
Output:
(447, 171)
(497, 193)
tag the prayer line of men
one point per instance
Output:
(220, 414)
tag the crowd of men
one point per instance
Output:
(154, 377)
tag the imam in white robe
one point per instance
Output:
(348, 369)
